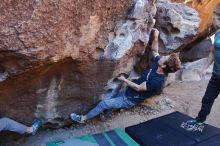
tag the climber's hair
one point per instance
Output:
(172, 64)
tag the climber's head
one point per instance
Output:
(170, 63)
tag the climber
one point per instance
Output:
(7, 124)
(213, 88)
(138, 89)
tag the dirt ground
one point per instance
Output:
(179, 96)
(187, 98)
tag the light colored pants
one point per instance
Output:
(7, 124)
(120, 101)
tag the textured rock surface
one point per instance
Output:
(138, 25)
(58, 57)
(177, 23)
(178, 26)
(52, 92)
(190, 70)
(37, 32)
(49, 52)
(199, 51)
(204, 6)
(208, 11)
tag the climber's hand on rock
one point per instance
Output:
(156, 33)
(121, 78)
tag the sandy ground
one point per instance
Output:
(179, 96)
(187, 97)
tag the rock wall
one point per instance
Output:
(38, 32)
(49, 53)
(178, 25)
(204, 6)
(198, 51)
(52, 92)
(208, 11)
(58, 57)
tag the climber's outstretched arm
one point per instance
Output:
(154, 46)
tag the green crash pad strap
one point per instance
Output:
(116, 137)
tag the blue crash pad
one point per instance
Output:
(166, 131)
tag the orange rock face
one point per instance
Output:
(206, 10)
(49, 31)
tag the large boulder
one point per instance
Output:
(59, 57)
(190, 70)
(49, 56)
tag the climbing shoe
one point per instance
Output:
(76, 118)
(36, 125)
